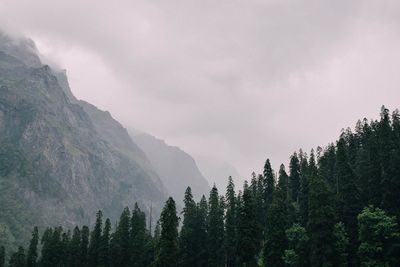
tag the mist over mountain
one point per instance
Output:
(217, 171)
(176, 168)
(61, 159)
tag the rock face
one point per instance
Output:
(61, 159)
(177, 169)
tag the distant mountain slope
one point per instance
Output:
(177, 169)
(217, 171)
(61, 160)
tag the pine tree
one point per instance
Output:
(379, 238)
(53, 250)
(120, 243)
(2, 256)
(84, 246)
(294, 179)
(104, 249)
(341, 246)
(304, 188)
(95, 241)
(269, 185)
(168, 244)
(348, 196)
(75, 248)
(275, 235)
(231, 225)
(202, 218)
(138, 237)
(297, 253)
(248, 231)
(18, 259)
(215, 231)
(65, 253)
(187, 239)
(320, 223)
(33, 249)
(46, 259)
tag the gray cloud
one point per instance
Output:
(241, 80)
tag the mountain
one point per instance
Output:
(61, 159)
(176, 168)
(217, 171)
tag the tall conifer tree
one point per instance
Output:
(33, 249)
(168, 244)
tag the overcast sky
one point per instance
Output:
(236, 80)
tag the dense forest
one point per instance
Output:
(336, 206)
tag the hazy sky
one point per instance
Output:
(237, 80)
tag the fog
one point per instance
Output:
(240, 81)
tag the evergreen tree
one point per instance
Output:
(348, 197)
(341, 245)
(231, 225)
(84, 246)
(320, 223)
(269, 185)
(33, 249)
(65, 254)
(52, 248)
(120, 247)
(138, 237)
(215, 231)
(188, 240)
(2, 256)
(156, 238)
(294, 179)
(18, 259)
(168, 244)
(46, 259)
(202, 218)
(95, 241)
(379, 238)
(275, 235)
(304, 188)
(248, 231)
(75, 248)
(297, 253)
(104, 249)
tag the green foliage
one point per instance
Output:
(33, 249)
(320, 223)
(140, 240)
(341, 245)
(379, 238)
(188, 243)
(168, 245)
(297, 253)
(248, 230)
(75, 249)
(268, 185)
(294, 178)
(120, 241)
(18, 259)
(215, 230)
(2, 256)
(307, 218)
(95, 241)
(275, 236)
(231, 225)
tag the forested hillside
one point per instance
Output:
(336, 206)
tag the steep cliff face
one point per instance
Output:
(61, 160)
(177, 169)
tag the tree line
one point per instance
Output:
(337, 206)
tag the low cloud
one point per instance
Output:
(239, 80)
